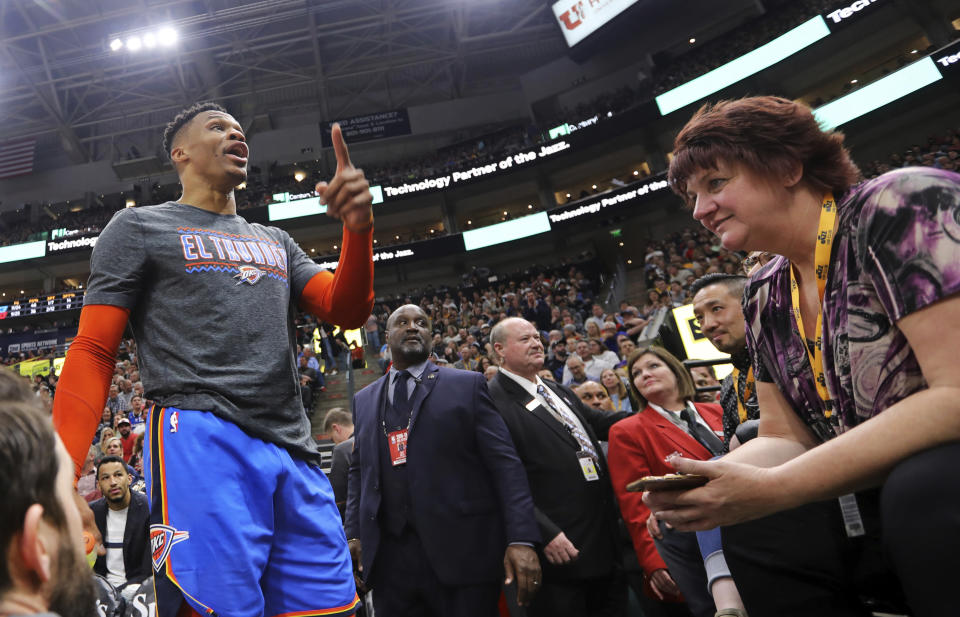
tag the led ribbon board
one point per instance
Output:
(507, 163)
(286, 206)
(746, 65)
(27, 250)
(507, 231)
(896, 85)
(624, 197)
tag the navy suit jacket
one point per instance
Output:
(469, 495)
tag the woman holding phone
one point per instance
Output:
(852, 331)
(669, 422)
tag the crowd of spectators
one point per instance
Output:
(587, 343)
(941, 152)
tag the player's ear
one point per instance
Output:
(179, 155)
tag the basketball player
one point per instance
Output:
(243, 521)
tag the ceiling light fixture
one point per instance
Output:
(164, 37)
(167, 36)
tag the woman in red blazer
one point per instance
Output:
(639, 444)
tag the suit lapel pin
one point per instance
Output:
(432, 376)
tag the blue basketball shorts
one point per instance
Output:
(238, 527)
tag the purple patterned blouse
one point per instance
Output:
(896, 250)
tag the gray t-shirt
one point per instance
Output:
(212, 300)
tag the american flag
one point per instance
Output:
(16, 157)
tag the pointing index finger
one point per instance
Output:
(340, 147)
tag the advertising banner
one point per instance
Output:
(579, 19)
(366, 128)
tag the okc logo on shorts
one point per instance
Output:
(162, 539)
(248, 274)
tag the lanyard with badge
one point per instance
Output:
(825, 230)
(586, 458)
(397, 440)
(825, 233)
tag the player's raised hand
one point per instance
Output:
(347, 195)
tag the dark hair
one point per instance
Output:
(28, 464)
(767, 134)
(182, 119)
(685, 388)
(110, 459)
(337, 415)
(708, 367)
(734, 283)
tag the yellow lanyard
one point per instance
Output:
(828, 218)
(745, 395)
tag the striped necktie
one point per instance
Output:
(569, 423)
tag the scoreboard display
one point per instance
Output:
(38, 305)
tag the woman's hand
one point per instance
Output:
(735, 493)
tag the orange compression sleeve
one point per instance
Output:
(346, 297)
(85, 378)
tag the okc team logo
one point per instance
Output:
(248, 274)
(162, 539)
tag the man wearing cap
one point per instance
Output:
(632, 322)
(127, 436)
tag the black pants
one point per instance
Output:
(405, 585)
(681, 553)
(801, 562)
(599, 597)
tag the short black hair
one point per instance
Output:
(735, 283)
(111, 459)
(181, 120)
(27, 437)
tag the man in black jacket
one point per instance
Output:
(536, 311)
(558, 440)
(123, 518)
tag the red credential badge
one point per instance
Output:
(398, 446)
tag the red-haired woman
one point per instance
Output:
(852, 332)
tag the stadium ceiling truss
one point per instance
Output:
(265, 59)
